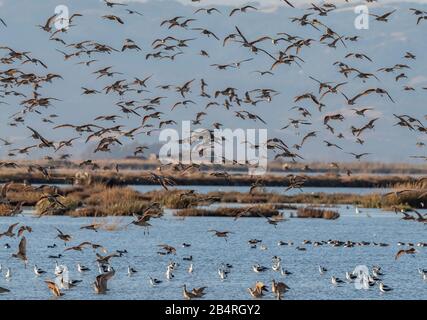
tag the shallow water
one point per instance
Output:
(208, 252)
(279, 190)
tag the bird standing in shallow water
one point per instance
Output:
(279, 288)
(222, 274)
(8, 274)
(336, 281)
(81, 268)
(169, 274)
(322, 270)
(131, 271)
(384, 288)
(154, 282)
(38, 271)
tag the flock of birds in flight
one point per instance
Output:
(136, 102)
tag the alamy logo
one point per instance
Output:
(62, 21)
(62, 278)
(362, 20)
(220, 146)
(362, 280)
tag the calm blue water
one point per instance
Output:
(279, 190)
(208, 252)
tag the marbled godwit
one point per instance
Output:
(279, 288)
(53, 287)
(100, 284)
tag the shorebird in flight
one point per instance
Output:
(402, 252)
(53, 287)
(100, 284)
(221, 234)
(22, 250)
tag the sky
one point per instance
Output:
(384, 43)
(275, 3)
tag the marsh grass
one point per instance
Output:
(316, 213)
(373, 200)
(173, 199)
(19, 192)
(5, 209)
(255, 211)
(98, 200)
(45, 207)
(244, 197)
(115, 201)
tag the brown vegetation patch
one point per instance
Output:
(174, 199)
(101, 200)
(310, 212)
(256, 211)
(97, 200)
(5, 209)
